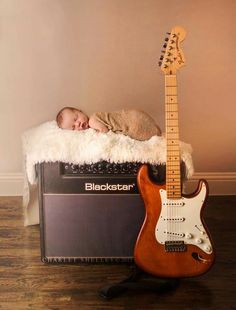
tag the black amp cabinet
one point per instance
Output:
(90, 213)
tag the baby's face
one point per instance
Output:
(74, 120)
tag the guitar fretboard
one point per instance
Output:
(173, 177)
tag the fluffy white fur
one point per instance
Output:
(48, 143)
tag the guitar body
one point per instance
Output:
(173, 241)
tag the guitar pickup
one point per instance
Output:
(175, 246)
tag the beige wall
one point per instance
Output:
(103, 54)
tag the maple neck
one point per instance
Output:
(173, 176)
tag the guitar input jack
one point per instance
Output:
(198, 257)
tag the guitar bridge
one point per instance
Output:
(175, 246)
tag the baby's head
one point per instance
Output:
(72, 118)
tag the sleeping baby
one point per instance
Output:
(136, 124)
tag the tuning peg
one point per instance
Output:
(165, 45)
(161, 57)
(163, 52)
(160, 63)
(166, 39)
(168, 33)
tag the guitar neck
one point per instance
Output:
(173, 176)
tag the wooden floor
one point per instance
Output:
(26, 283)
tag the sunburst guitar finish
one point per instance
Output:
(174, 240)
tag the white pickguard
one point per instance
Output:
(180, 221)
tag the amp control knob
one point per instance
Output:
(199, 240)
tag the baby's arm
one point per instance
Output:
(95, 124)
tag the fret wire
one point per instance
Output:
(174, 167)
(176, 163)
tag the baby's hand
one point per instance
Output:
(98, 126)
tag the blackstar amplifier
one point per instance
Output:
(90, 213)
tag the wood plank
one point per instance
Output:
(27, 283)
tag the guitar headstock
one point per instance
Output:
(173, 57)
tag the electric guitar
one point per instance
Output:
(173, 241)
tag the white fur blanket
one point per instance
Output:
(48, 143)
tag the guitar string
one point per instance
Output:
(167, 154)
(168, 167)
(167, 164)
(174, 105)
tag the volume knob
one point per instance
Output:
(189, 236)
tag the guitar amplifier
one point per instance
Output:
(90, 213)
